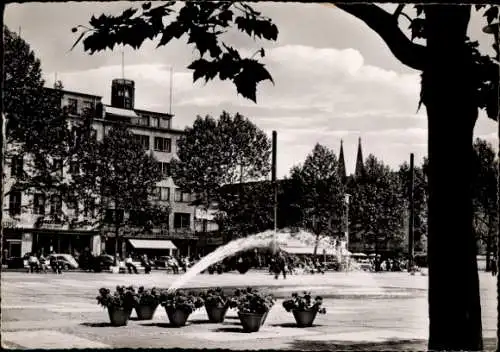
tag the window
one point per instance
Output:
(55, 205)
(182, 220)
(93, 134)
(113, 216)
(73, 106)
(143, 120)
(15, 203)
(58, 167)
(89, 208)
(165, 123)
(74, 167)
(163, 144)
(164, 193)
(143, 140)
(39, 204)
(17, 166)
(87, 105)
(164, 169)
(154, 122)
(182, 196)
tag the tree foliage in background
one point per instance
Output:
(213, 153)
(117, 178)
(36, 127)
(320, 192)
(420, 195)
(378, 208)
(457, 80)
(485, 197)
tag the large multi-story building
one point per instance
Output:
(31, 224)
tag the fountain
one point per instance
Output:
(264, 239)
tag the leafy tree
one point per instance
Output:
(36, 129)
(248, 209)
(485, 196)
(117, 178)
(215, 153)
(457, 80)
(321, 192)
(378, 208)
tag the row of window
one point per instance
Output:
(160, 144)
(181, 220)
(17, 167)
(73, 105)
(39, 202)
(163, 193)
(151, 121)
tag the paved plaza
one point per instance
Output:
(365, 311)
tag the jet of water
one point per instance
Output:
(266, 239)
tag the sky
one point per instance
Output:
(335, 79)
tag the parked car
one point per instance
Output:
(161, 262)
(67, 260)
(103, 262)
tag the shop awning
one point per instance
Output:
(152, 244)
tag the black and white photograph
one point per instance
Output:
(250, 175)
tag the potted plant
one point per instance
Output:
(119, 304)
(304, 308)
(179, 305)
(216, 304)
(147, 302)
(253, 307)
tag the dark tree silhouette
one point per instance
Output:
(456, 81)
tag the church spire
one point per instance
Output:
(360, 167)
(341, 167)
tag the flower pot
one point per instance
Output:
(304, 317)
(216, 314)
(145, 312)
(177, 317)
(118, 316)
(251, 322)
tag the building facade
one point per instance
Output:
(30, 221)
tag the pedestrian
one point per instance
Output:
(494, 267)
(130, 265)
(145, 264)
(33, 263)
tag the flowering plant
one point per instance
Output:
(187, 302)
(215, 297)
(123, 297)
(148, 297)
(250, 300)
(304, 302)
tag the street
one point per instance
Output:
(364, 311)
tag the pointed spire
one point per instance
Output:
(341, 167)
(360, 167)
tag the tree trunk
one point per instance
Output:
(448, 94)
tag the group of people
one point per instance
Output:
(39, 264)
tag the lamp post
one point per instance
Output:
(347, 198)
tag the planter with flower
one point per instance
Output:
(179, 305)
(216, 304)
(304, 308)
(253, 307)
(119, 304)
(147, 302)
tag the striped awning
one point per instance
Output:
(152, 244)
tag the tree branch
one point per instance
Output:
(386, 26)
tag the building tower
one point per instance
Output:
(122, 93)
(341, 167)
(360, 167)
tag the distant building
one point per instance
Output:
(31, 224)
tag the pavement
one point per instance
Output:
(365, 311)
